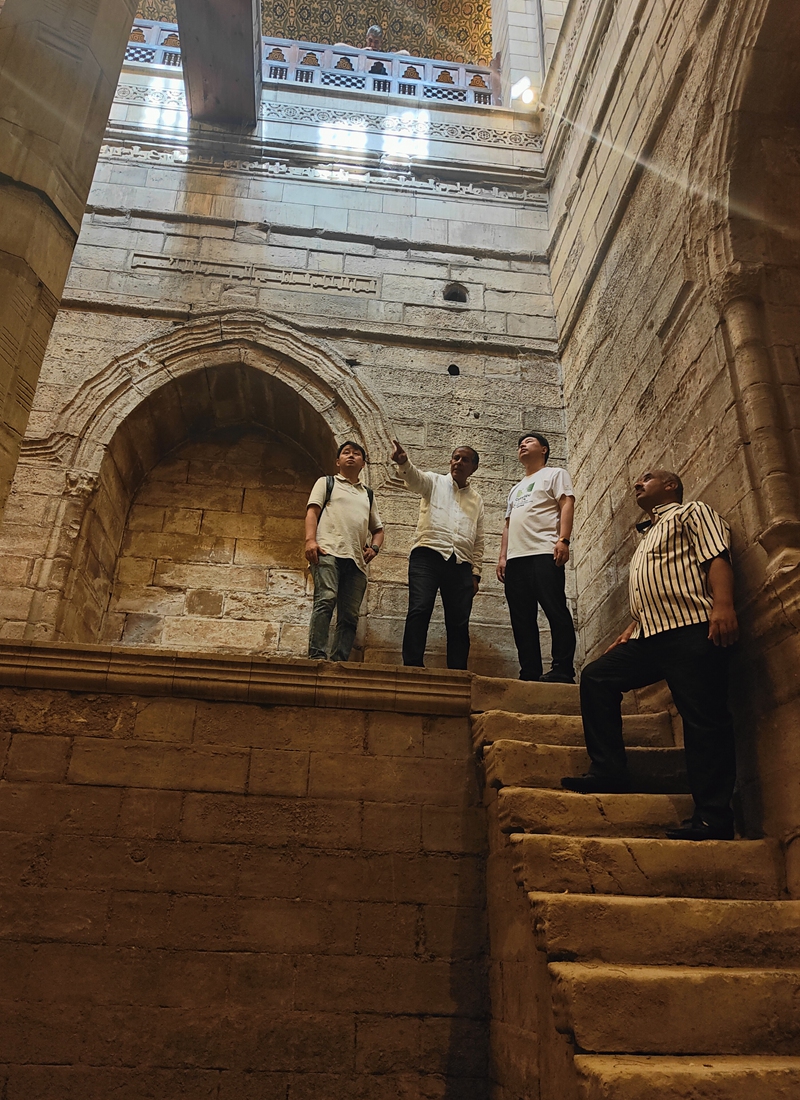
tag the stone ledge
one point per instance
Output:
(233, 678)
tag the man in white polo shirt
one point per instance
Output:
(447, 555)
(343, 534)
(533, 553)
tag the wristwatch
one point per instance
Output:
(375, 549)
(563, 540)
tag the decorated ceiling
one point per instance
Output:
(453, 30)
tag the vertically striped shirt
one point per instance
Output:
(667, 585)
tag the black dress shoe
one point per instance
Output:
(700, 830)
(553, 677)
(596, 784)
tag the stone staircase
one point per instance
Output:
(632, 967)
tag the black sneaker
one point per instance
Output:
(694, 829)
(554, 677)
(596, 784)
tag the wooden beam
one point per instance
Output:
(221, 54)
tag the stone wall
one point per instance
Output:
(669, 246)
(328, 278)
(205, 898)
(212, 552)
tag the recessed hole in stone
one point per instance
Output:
(455, 292)
(453, 370)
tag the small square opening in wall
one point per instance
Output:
(455, 292)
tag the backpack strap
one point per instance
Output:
(328, 490)
(329, 483)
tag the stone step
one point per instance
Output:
(747, 869)
(604, 1077)
(538, 810)
(522, 764)
(690, 931)
(644, 730)
(677, 1009)
(521, 697)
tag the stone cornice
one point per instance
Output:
(269, 681)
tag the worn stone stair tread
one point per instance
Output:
(706, 1077)
(544, 810)
(690, 931)
(641, 730)
(522, 764)
(677, 1009)
(521, 697)
(748, 869)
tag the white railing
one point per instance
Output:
(154, 44)
(371, 71)
(339, 66)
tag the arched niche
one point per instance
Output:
(235, 367)
(193, 535)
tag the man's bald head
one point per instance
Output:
(656, 487)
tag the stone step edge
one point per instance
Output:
(594, 804)
(573, 847)
(480, 720)
(677, 1077)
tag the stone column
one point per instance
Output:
(59, 65)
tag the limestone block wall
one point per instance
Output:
(388, 266)
(212, 553)
(204, 898)
(647, 205)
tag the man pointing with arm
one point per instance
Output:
(447, 555)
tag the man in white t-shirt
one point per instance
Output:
(533, 553)
(343, 534)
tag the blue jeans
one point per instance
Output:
(340, 584)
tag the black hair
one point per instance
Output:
(668, 475)
(476, 457)
(543, 440)
(355, 446)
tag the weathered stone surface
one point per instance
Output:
(166, 913)
(517, 764)
(670, 930)
(521, 810)
(746, 869)
(707, 1078)
(677, 1010)
(643, 730)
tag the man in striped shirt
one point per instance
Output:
(681, 597)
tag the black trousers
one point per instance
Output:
(696, 672)
(532, 582)
(429, 573)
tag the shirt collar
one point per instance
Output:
(659, 512)
(357, 484)
(456, 487)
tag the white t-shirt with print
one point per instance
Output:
(532, 512)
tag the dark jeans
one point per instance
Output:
(429, 573)
(531, 582)
(696, 672)
(339, 583)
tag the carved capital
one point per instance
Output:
(80, 484)
(735, 281)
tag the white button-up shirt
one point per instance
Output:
(450, 519)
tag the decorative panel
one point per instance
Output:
(453, 30)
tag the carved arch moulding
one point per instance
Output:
(310, 367)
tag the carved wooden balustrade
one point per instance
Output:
(339, 66)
